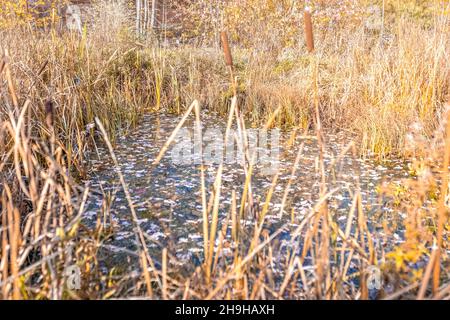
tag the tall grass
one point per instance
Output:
(63, 92)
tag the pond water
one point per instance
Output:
(168, 198)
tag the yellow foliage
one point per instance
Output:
(403, 255)
(37, 12)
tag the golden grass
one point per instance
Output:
(376, 87)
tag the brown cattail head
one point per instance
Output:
(49, 113)
(226, 49)
(2, 65)
(309, 30)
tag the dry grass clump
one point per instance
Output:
(377, 72)
(423, 200)
(372, 84)
(84, 78)
(41, 205)
(53, 88)
(375, 87)
(110, 21)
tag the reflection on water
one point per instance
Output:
(168, 200)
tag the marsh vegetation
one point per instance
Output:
(89, 118)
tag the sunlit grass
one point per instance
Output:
(62, 93)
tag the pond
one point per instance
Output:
(167, 198)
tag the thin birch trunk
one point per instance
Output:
(145, 27)
(152, 21)
(138, 17)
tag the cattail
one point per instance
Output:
(49, 113)
(2, 65)
(309, 30)
(226, 49)
(228, 59)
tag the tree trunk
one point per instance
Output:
(145, 27)
(152, 21)
(138, 17)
